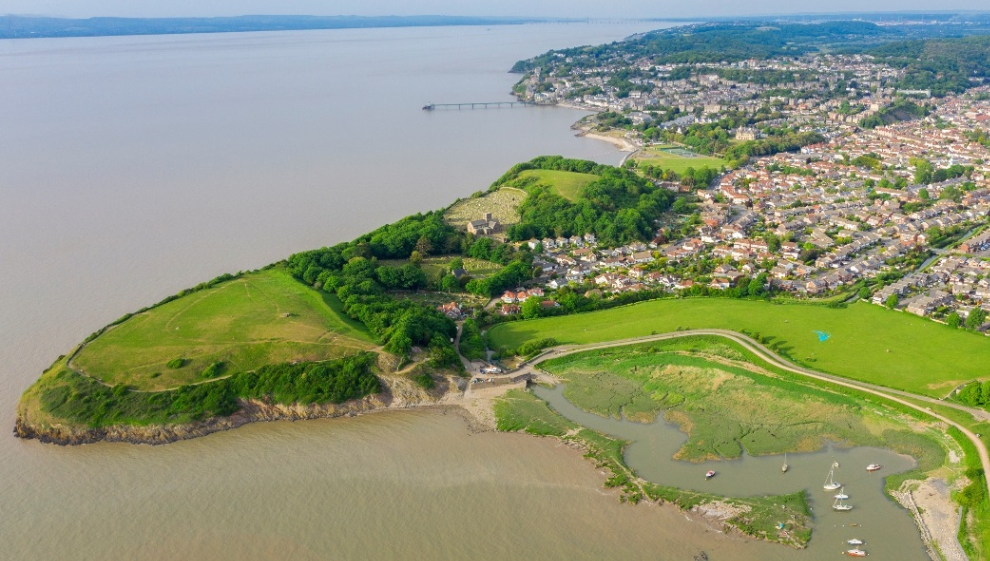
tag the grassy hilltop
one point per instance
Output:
(260, 318)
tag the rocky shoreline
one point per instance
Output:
(397, 393)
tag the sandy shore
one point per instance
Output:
(622, 144)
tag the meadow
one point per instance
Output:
(861, 342)
(659, 156)
(266, 317)
(567, 184)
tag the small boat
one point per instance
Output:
(854, 541)
(710, 474)
(873, 467)
(830, 484)
(856, 552)
(784, 468)
(842, 494)
(841, 506)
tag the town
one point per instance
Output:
(890, 204)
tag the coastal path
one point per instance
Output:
(776, 360)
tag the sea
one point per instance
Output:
(133, 167)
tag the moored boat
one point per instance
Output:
(710, 474)
(873, 467)
(830, 484)
(854, 541)
(842, 494)
(841, 506)
(856, 552)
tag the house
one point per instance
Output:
(484, 227)
(509, 310)
(510, 297)
(642, 257)
(815, 286)
(451, 310)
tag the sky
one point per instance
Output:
(547, 8)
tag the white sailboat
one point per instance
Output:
(842, 494)
(840, 505)
(784, 467)
(830, 484)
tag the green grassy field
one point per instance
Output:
(655, 155)
(567, 184)
(261, 318)
(727, 405)
(865, 342)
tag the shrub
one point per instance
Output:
(213, 370)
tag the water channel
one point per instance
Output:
(887, 529)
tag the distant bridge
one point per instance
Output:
(475, 105)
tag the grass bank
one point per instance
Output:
(860, 342)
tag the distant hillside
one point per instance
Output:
(24, 27)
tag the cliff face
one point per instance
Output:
(397, 393)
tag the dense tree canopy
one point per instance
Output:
(618, 208)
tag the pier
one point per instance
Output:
(475, 105)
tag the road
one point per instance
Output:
(772, 358)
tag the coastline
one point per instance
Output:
(398, 394)
(928, 501)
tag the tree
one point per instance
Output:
(923, 171)
(416, 258)
(976, 318)
(424, 246)
(892, 301)
(530, 308)
(755, 287)
(864, 293)
(953, 320)
(450, 283)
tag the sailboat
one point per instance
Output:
(842, 494)
(784, 467)
(840, 505)
(830, 484)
